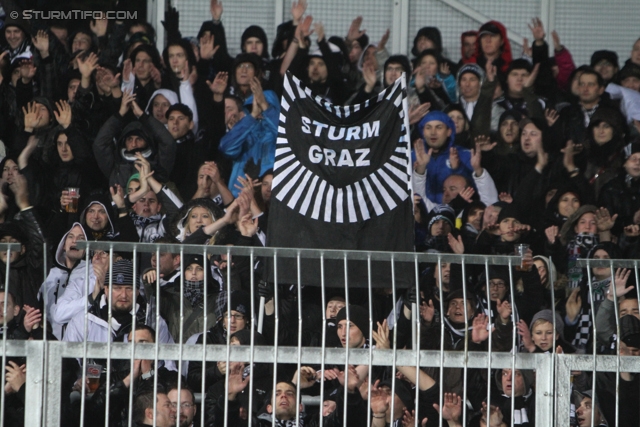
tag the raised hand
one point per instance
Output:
(15, 377)
(484, 143)
(297, 10)
(427, 311)
(504, 310)
(32, 318)
(88, 64)
(480, 332)
(505, 197)
(380, 399)
(491, 71)
(476, 160)
(216, 9)
(573, 304)
(457, 246)
(354, 30)
(99, 27)
(63, 113)
(422, 157)
(551, 233)
(408, 418)
(207, 48)
(537, 30)
(127, 70)
(525, 333)
(125, 103)
(258, 93)
(556, 41)
(551, 115)
(319, 29)
(247, 225)
(467, 193)
(137, 111)
(529, 81)
(32, 116)
(41, 42)
(604, 220)
(383, 40)
(417, 112)
(303, 30)
(620, 281)
(369, 74)
(381, 336)
(444, 69)
(306, 377)
(452, 408)
(632, 230)
(156, 77)
(236, 383)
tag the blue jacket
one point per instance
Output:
(439, 167)
(252, 139)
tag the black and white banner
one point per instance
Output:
(342, 179)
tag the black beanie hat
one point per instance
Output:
(258, 32)
(251, 58)
(631, 148)
(509, 211)
(359, 316)
(121, 274)
(519, 64)
(604, 55)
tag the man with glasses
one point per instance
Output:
(185, 407)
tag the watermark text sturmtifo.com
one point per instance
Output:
(119, 15)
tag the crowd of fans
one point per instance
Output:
(513, 153)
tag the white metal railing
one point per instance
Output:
(553, 371)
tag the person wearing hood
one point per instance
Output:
(159, 103)
(192, 296)
(518, 93)
(253, 137)
(146, 136)
(195, 215)
(603, 155)
(26, 264)
(541, 337)
(566, 200)
(69, 267)
(431, 38)
(459, 116)
(518, 386)
(439, 223)
(583, 230)
(585, 405)
(143, 74)
(476, 91)
(437, 156)
(493, 47)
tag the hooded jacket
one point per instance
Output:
(117, 164)
(503, 61)
(56, 284)
(252, 138)
(439, 168)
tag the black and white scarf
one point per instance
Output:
(194, 292)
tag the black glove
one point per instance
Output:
(265, 290)
(171, 23)
(409, 297)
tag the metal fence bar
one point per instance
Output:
(34, 383)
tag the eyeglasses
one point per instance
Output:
(246, 66)
(236, 316)
(184, 405)
(497, 285)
